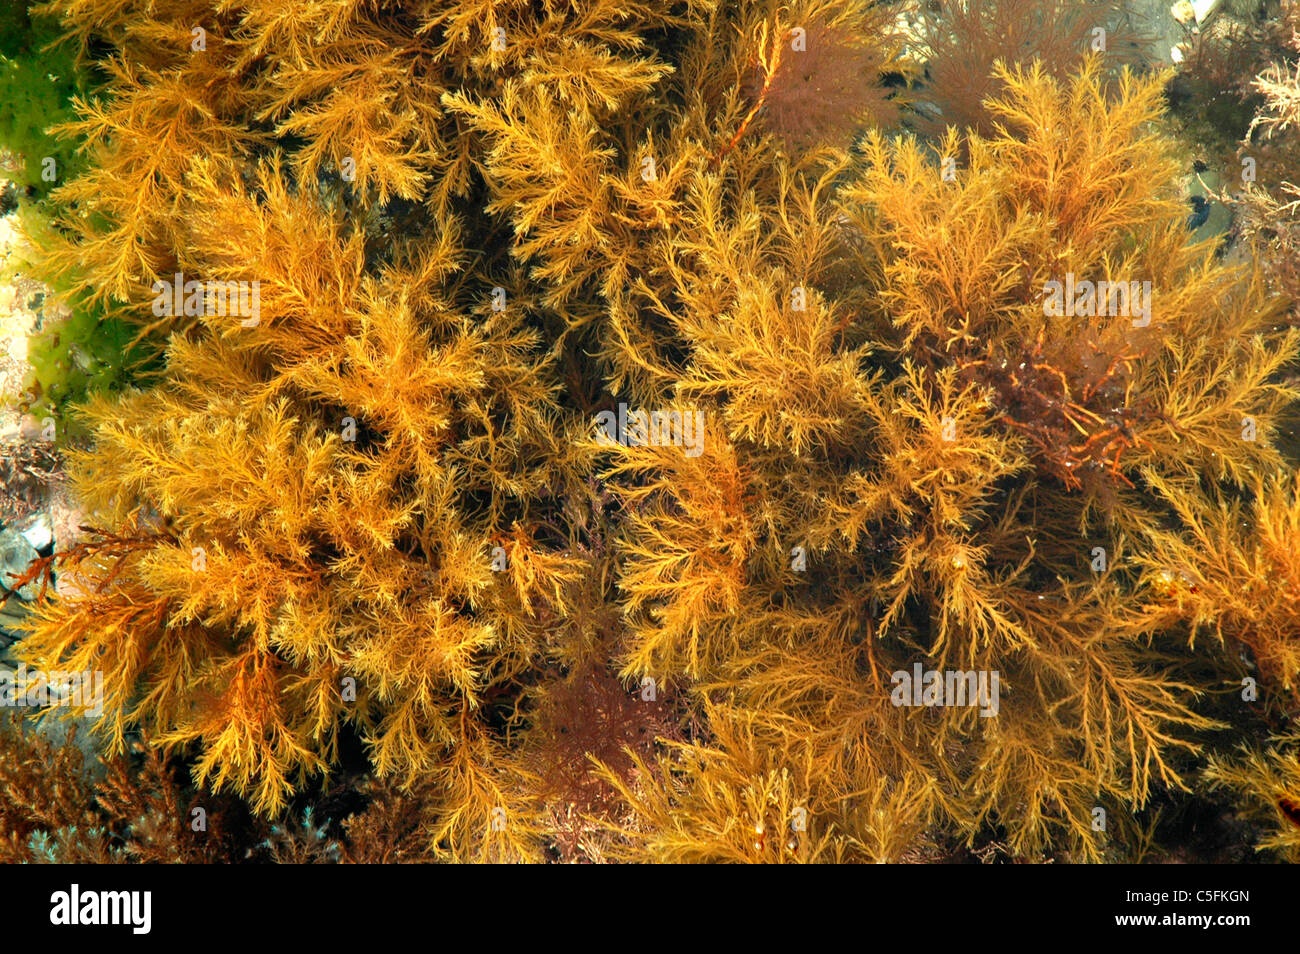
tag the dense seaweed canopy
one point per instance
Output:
(633, 408)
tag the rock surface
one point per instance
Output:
(37, 512)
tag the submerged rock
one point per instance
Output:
(16, 554)
(39, 533)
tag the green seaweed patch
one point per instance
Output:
(85, 353)
(37, 83)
